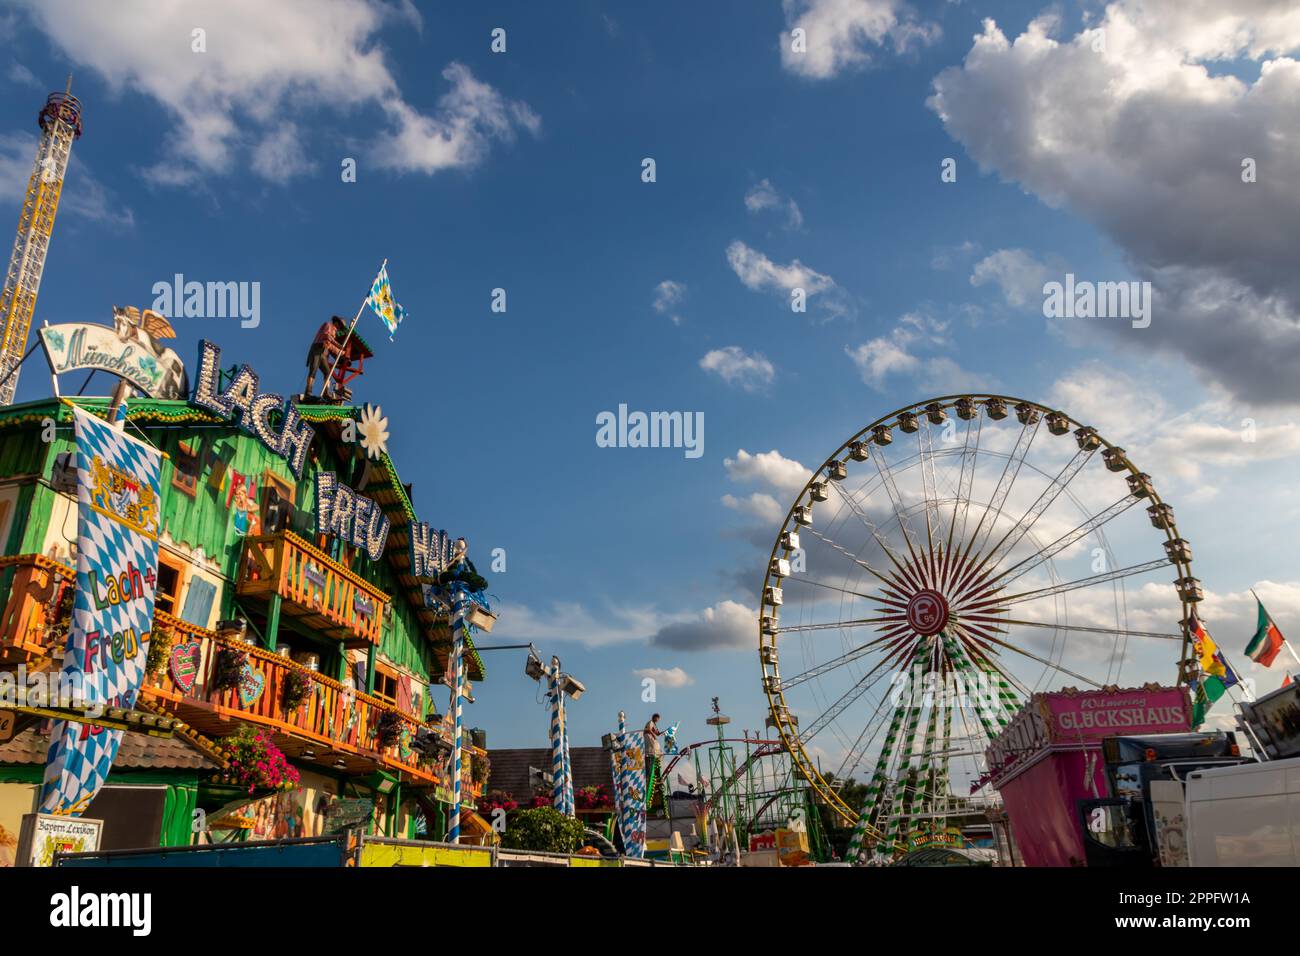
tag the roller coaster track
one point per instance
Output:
(763, 748)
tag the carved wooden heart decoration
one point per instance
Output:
(251, 684)
(185, 664)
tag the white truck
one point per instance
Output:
(1248, 815)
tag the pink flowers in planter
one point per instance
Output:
(594, 798)
(255, 762)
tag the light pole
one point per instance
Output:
(559, 685)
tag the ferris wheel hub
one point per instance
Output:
(927, 612)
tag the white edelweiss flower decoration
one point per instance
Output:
(373, 428)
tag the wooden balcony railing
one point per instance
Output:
(346, 722)
(335, 722)
(38, 596)
(318, 592)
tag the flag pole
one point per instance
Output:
(347, 338)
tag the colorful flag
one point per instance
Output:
(382, 301)
(1268, 640)
(112, 611)
(1216, 675)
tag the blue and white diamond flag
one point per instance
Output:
(112, 610)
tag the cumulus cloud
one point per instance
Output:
(763, 197)
(575, 622)
(758, 273)
(17, 73)
(671, 677)
(903, 352)
(1135, 124)
(726, 625)
(737, 367)
(1174, 448)
(769, 468)
(757, 505)
(268, 63)
(847, 34)
(1017, 274)
(668, 295)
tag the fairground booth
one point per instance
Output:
(261, 636)
(1049, 758)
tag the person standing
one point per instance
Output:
(651, 735)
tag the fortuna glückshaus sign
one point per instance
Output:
(241, 401)
(351, 517)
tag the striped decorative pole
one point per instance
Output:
(905, 761)
(570, 807)
(460, 629)
(557, 736)
(620, 778)
(871, 802)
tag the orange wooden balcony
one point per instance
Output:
(335, 727)
(37, 593)
(319, 593)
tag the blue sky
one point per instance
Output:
(522, 170)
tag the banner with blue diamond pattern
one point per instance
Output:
(112, 611)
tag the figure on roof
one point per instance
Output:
(337, 353)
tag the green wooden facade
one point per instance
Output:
(204, 521)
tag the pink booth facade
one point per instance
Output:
(1049, 757)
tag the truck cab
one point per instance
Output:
(1140, 823)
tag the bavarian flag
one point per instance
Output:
(1216, 675)
(1268, 640)
(382, 301)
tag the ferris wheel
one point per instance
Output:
(946, 562)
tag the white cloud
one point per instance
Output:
(668, 295)
(1140, 125)
(83, 194)
(572, 621)
(671, 678)
(737, 367)
(17, 73)
(844, 34)
(1016, 272)
(757, 505)
(725, 625)
(469, 116)
(758, 273)
(769, 468)
(897, 354)
(1173, 448)
(764, 196)
(946, 256)
(266, 64)
(280, 155)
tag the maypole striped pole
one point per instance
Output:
(570, 807)
(557, 736)
(458, 694)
